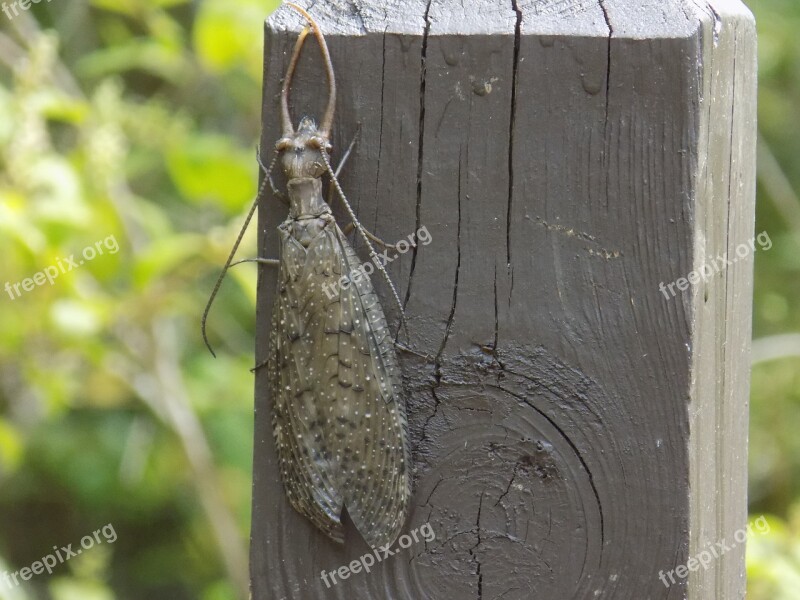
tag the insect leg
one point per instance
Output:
(228, 262)
(403, 348)
(348, 229)
(347, 152)
(260, 365)
(267, 173)
(271, 262)
(342, 162)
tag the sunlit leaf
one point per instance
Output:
(165, 255)
(11, 446)
(72, 589)
(75, 318)
(211, 168)
(226, 33)
(151, 56)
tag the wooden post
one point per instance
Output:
(577, 431)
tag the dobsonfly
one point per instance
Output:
(338, 410)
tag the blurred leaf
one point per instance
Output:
(151, 56)
(76, 318)
(11, 447)
(165, 255)
(211, 167)
(225, 35)
(773, 562)
(133, 7)
(71, 589)
(221, 590)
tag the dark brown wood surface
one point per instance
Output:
(574, 432)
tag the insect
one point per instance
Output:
(338, 411)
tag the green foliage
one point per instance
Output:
(128, 128)
(773, 561)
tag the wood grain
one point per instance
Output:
(574, 432)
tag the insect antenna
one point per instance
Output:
(372, 254)
(238, 241)
(286, 118)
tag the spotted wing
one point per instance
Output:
(339, 415)
(371, 432)
(298, 410)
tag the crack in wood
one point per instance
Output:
(420, 142)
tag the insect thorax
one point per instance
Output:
(305, 198)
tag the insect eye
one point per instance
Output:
(283, 144)
(319, 143)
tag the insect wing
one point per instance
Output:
(339, 416)
(299, 408)
(371, 433)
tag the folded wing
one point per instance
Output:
(338, 412)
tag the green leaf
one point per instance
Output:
(71, 589)
(155, 57)
(11, 446)
(133, 7)
(164, 255)
(211, 168)
(229, 35)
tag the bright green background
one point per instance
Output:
(138, 119)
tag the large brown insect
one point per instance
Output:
(339, 416)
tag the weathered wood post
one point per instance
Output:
(578, 432)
